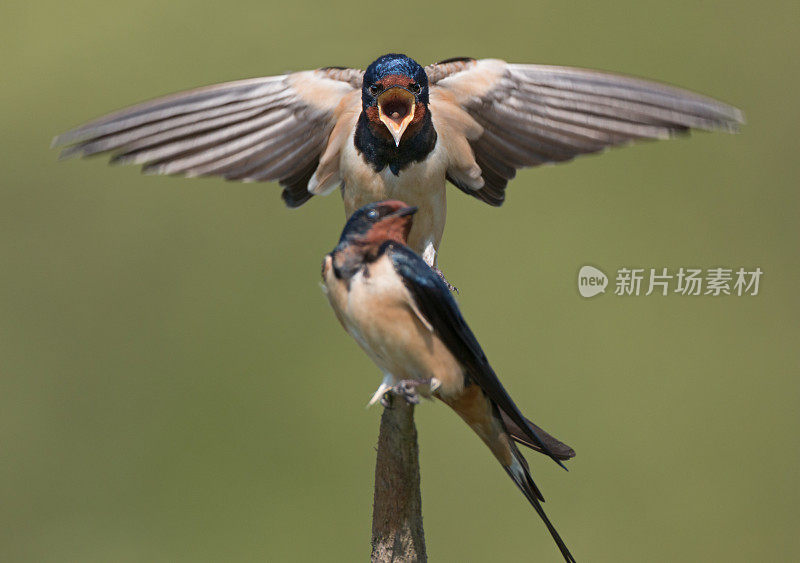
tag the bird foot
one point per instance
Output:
(408, 389)
(450, 286)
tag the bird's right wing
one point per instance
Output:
(260, 129)
(433, 300)
(520, 115)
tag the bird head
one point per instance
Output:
(378, 222)
(394, 96)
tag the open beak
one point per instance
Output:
(396, 110)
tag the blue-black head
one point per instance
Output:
(392, 65)
(394, 95)
(378, 222)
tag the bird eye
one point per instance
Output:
(415, 88)
(372, 214)
(374, 89)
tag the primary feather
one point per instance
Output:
(525, 115)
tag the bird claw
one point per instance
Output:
(408, 390)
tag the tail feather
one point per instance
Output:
(519, 473)
(490, 423)
(558, 449)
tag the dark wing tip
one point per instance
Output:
(491, 195)
(558, 449)
(454, 60)
(294, 198)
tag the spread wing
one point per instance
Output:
(433, 300)
(261, 129)
(527, 115)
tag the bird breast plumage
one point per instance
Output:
(421, 184)
(378, 312)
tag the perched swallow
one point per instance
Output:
(404, 317)
(396, 130)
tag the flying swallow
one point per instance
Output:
(396, 130)
(403, 316)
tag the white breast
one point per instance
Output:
(378, 313)
(415, 181)
(421, 184)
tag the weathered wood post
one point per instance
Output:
(397, 533)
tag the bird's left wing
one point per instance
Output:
(519, 115)
(260, 129)
(433, 300)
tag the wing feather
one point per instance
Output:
(206, 146)
(181, 103)
(260, 129)
(539, 114)
(163, 131)
(239, 164)
(433, 300)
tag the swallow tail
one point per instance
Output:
(558, 449)
(520, 474)
(488, 421)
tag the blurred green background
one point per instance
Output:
(174, 386)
